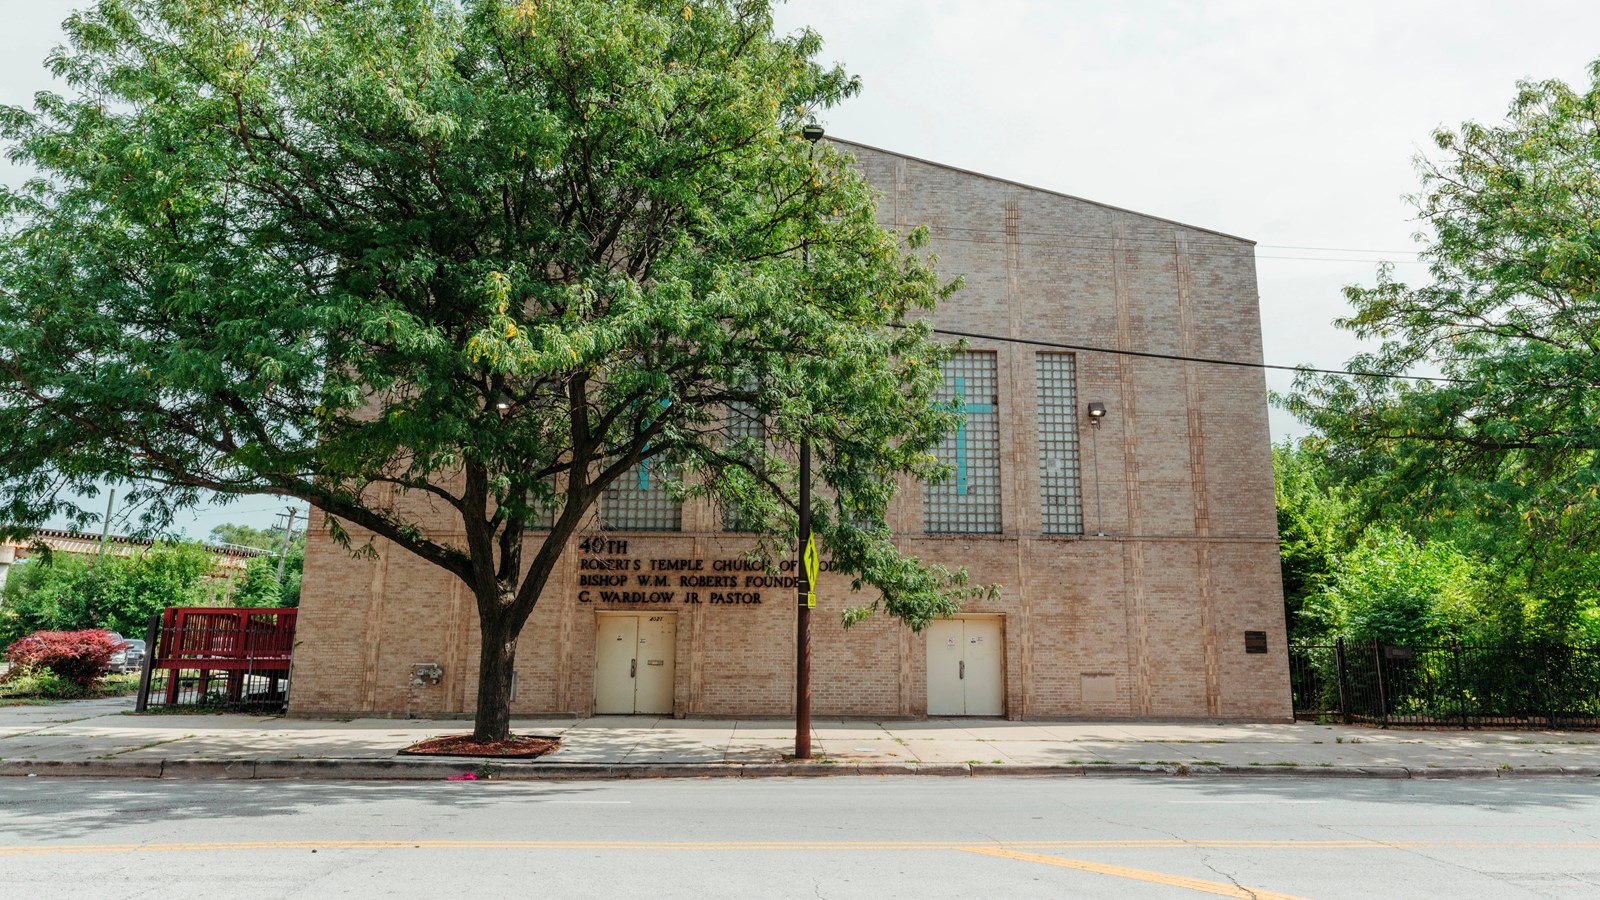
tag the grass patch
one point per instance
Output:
(258, 712)
(45, 687)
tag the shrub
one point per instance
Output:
(78, 656)
(260, 586)
(41, 685)
(1396, 589)
(114, 592)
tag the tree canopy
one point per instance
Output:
(251, 536)
(1508, 442)
(488, 254)
(62, 592)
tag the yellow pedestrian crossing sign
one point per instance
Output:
(810, 560)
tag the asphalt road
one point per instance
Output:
(878, 838)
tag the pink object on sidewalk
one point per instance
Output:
(464, 776)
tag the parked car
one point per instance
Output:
(129, 657)
(134, 651)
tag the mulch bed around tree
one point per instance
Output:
(524, 746)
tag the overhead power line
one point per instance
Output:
(1197, 246)
(1337, 249)
(1344, 259)
(1145, 354)
(1131, 245)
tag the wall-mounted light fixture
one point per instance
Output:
(1097, 411)
(502, 401)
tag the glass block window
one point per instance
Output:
(969, 501)
(545, 519)
(638, 501)
(1061, 493)
(744, 424)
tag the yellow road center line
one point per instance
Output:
(1193, 884)
(1002, 846)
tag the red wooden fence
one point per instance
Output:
(224, 641)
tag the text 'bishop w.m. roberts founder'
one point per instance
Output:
(608, 574)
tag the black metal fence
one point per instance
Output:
(1455, 685)
(215, 660)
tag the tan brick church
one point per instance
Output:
(1123, 503)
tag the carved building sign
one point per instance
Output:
(610, 575)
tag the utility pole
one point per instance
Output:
(105, 526)
(804, 553)
(288, 531)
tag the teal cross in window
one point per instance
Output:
(961, 432)
(644, 464)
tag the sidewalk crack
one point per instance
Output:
(181, 737)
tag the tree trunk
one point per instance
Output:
(496, 661)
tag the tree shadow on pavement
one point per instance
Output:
(106, 811)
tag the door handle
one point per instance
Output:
(633, 668)
(963, 669)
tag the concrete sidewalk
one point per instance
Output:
(97, 737)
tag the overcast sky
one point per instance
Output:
(1293, 124)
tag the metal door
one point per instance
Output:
(946, 646)
(653, 687)
(966, 671)
(634, 664)
(985, 681)
(616, 664)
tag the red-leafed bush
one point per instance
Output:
(78, 656)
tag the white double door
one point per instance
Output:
(966, 668)
(634, 664)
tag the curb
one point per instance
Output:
(81, 768)
(412, 769)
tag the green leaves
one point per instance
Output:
(1394, 589)
(443, 269)
(1503, 454)
(118, 593)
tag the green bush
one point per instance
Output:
(1398, 590)
(42, 685)
(47, 685)
(259, 586)
(118, 593)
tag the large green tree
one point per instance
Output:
(1510, 442)
(1314, 527)
(482, 257)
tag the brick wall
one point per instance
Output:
(1145, 621)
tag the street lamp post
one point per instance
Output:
(802, 634)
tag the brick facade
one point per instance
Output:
(1147, 620)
